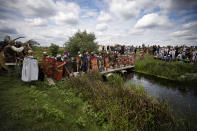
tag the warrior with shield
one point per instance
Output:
(10, 55)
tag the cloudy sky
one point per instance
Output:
(127, 22)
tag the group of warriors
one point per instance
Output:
(65, 65)
(18, 59)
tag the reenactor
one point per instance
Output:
(106, 61)
(30, 69)
(119, 61)
(88, 57)
(10, 52)
(93, 62)
(48, 64)
(78, 62)
(58, 72)
(64, 65)
(2, 45)
(100, 62)
(84, 63)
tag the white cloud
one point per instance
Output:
(41, 8)
(101, 27)
(104, 17)
(67, 13)
(62, 18)
(37, 22)
(187, 32)
(124, 8)
(152, 21)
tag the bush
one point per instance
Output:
(122, 108)
(54, 49)
(81, 41)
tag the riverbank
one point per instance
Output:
(81, 103)
(167, 70)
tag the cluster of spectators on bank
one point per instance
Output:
(175, 53)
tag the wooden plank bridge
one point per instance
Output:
(117, 69)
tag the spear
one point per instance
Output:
(17, 38)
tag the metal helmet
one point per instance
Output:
(7, 38)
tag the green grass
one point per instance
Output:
(167, 70)
(41, 107)
(81, 103)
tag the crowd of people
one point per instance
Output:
(64, 65)
(178, 53)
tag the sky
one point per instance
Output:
(128, 22)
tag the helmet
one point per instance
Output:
(30, 52)
(7, 38)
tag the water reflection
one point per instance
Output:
(181, 96)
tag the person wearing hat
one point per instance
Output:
(30, 68)
(10, 52)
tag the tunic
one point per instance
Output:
(30, 69)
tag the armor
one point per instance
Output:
(9, 55)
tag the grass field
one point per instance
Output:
(82, 103)
(167, 70)
(41, 107)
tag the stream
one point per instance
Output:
(181, 96)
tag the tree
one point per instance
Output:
(54, 49)
(81, 41)
(32, 42)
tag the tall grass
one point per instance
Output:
(168, 70)
(121, 108)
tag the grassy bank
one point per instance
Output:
(82, 103)
(167, 70)
(41, 107)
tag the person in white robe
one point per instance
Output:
(30, 68)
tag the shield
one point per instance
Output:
(107, 62)
(94, 64)
(48, 66)
(58, 71)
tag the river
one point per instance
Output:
(181, 96)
